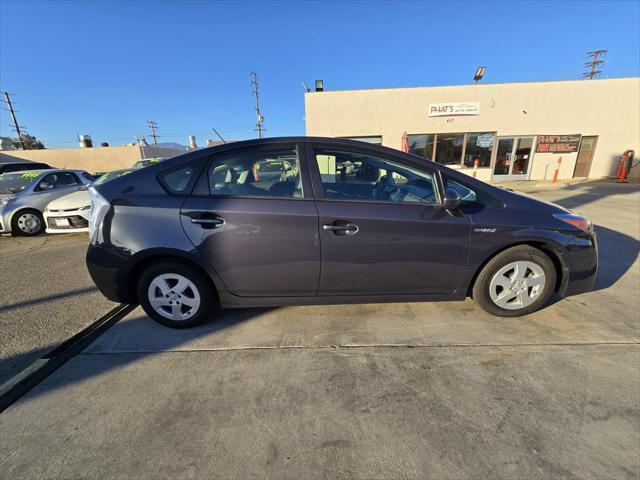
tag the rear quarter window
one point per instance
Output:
(180, 180)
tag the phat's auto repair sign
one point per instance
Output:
(558, 143)
(454, 108)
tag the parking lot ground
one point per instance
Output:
(413, 390)
(46, 296)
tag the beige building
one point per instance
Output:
(98, 159)
(511, 131)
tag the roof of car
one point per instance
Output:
(47, 170)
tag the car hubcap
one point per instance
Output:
(28, 223)
(517, 285)
(174, 296)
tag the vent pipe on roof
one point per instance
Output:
(85, 141)
(192, 142)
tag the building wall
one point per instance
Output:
(608, 108)
(99, 159)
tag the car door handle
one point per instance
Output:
(348, 229)
(207, 221)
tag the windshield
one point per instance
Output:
(16, 182)
(110, 176)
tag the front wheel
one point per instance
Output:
(176, 295)
(517, 281)
(27, 222)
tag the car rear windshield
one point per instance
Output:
(16, 182)
(110, 176)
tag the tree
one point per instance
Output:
(29, 142)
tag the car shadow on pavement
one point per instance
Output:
(127, 334)
(616, 254)
(48, 298)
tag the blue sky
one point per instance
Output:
(105, 68)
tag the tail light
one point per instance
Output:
(583, 223)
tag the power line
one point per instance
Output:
(153, 125)
(16, 126)
(256, 92)
(593, 64)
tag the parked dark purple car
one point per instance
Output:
(341, 222)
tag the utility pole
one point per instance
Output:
(219, 136)
(153, 125)
(16, 126)
(256, 92)
(593, 64)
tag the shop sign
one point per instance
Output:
(455, 108)
(558, 143)
(485, 140)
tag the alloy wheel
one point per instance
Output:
(173, 296)
(517, 285)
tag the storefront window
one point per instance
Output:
(479, 147)
(449, 148)
(421, 145)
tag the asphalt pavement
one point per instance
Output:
(47, 296)
(410, 390)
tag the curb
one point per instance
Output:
(20, 384)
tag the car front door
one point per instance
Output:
(259, 234)
(382, 227)
(55, 185)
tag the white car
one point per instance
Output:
(70, 214)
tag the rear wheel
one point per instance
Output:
(517, 281)
(27, 222)
(176, 295)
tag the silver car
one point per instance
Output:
(24, 196)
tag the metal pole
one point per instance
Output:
(219, 136)
(15, 122)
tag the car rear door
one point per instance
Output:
(382, 227)
(260, 235)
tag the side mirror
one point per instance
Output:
(451, 199)
(45, 186)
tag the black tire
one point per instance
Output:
(208, 296)
(16, 223)
(481, 288)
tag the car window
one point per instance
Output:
(88, 176)
(474, 195)
(178, 180)
(466, 193)
(105, 177)
(359, 176)
(59, 180)
(271, 172)
(16, 182)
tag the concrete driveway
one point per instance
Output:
(418, 390)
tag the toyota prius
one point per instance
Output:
(333, 221)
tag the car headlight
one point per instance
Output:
(5, 200)
(99, 208)
(578, 221)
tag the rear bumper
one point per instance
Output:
(580, 265)
(105, 266)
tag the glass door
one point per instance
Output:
(513, 158)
